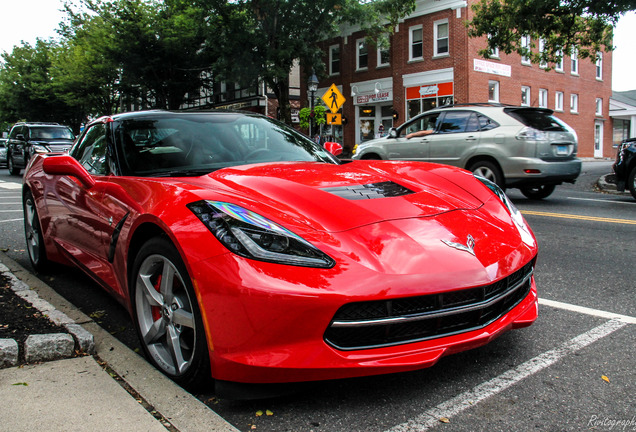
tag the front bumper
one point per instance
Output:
(521, 172)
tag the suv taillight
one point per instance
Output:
(529, 133)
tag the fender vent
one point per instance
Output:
(370, 191)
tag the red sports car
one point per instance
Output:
(248, 253)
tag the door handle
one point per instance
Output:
(471, 138)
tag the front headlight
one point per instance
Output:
(251, 235)
(515, 214)
(39, 148)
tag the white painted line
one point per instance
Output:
(603, 201)
(10, 186)
(587, 311)
(11, 220)
(11, 211)
(456, 405)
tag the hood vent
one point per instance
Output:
(370, 191)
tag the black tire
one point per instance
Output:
(631, 182)
(168, 312)
(537, 192)
(33, 234)
(13, 170)
(488, 170)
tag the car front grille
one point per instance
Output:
(374, 324)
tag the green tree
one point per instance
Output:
(260, 40)
(563, 25)
(27, 87)
(155, 45)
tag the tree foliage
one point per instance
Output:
(563, 25)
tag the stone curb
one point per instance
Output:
(44, 347)
(607, 184)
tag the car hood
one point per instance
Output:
(337, 198)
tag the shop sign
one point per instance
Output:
(429, 90)
(492, 67)
(373, 98)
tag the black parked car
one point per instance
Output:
(26, 139)
(625, 166)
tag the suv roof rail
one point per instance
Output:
(38, 123)
(493, 104)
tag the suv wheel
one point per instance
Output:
(631, 182)
(487, 170)
(537, 192)
(13, 170)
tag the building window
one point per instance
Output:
(558, 101)
(559, 64)
(384, 56)
(334, 60)
(415, 43)
(493, 91)
(525, 96)
(599, 65)
(574, 103)
(543, 63)
(362, 54)
(440, 37)
(494, 53)
(574, 68)
(599, 106)
(525, 43)
(543, 98)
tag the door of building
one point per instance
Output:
(598, 139)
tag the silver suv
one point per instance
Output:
(518, 147)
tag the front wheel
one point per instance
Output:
(33, 234)
(631, 182)
(13, 170)
(167, 316)
(537, 192)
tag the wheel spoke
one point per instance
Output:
(167, 280)
(152, 296)
(174, 346)
(183, 318)
(156, 331)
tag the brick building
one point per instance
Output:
(431, 61)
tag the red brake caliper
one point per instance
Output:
(156, 310)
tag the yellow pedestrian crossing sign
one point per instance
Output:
(333, 99)
(334, 119)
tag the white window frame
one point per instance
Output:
(542, 64)
(599, 66)
(525, 43)
(332, 48)
(379, 53)
(436, 38)
(411, 30)
(525, 92)
(574, 65)
(558, 101)
(574, 103)
(599, 107)
(494, 53)
(364, 42)
(495, 87)
(543, 98)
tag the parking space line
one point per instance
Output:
(11, 220)
(604, 200)
(587, 311)
(458, 404)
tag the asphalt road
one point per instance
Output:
(573, 370)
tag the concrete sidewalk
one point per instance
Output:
(83, 394)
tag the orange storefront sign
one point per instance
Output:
(429, 90)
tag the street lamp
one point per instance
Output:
(312, 87)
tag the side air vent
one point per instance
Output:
(370, 191)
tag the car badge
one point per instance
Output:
(468, 247)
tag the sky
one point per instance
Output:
(25, 20)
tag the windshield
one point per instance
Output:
(542, 120)
(195, 144)
(51, 132)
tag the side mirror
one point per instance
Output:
(19, 137)
(66, 165)
(334, 148)
(393, 133)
